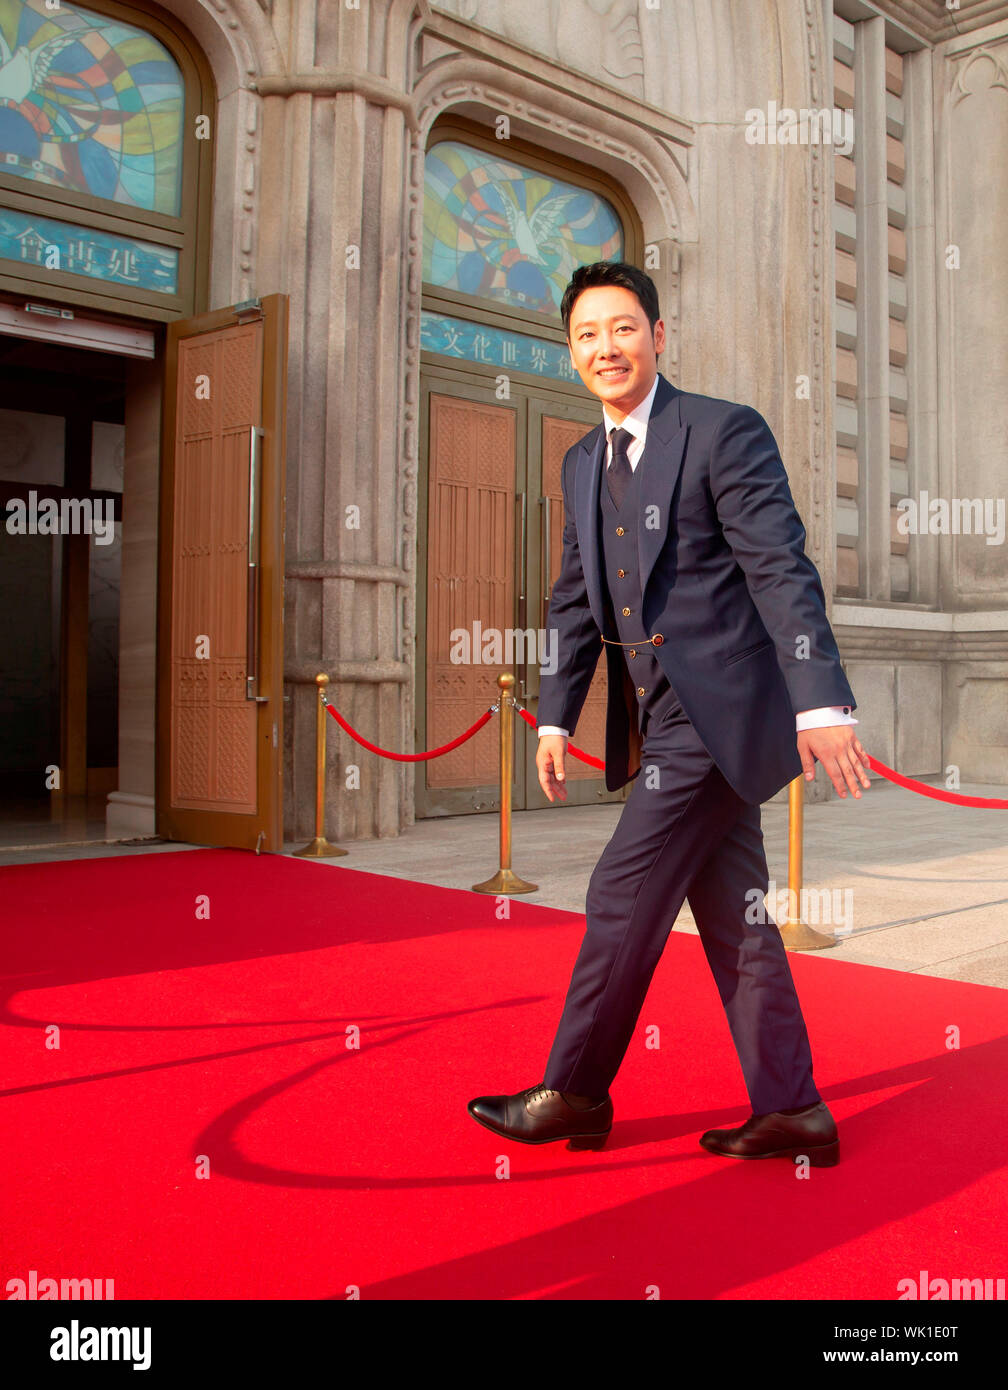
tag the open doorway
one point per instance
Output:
(61, 482)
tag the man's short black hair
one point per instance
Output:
(618, 273)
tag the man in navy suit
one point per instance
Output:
(684, 557)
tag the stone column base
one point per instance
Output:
(129, 814)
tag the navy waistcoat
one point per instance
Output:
(621, 571)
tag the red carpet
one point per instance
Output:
(331, 1167)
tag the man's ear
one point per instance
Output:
(659, 336)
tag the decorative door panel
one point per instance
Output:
(470, 579)
(487, 563)
(212, 755)
(220, 658)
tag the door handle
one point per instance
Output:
(547, 558)
(252, 581)
(522, 500)
(521, 673)
(544, 555)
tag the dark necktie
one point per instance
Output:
(620, 472)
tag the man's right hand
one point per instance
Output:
(550, 757)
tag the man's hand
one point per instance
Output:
(550, 757)
(839, 750)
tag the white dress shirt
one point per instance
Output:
(637, 422)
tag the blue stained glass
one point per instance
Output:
(500, 231)
(81, 94)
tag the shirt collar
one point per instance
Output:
(636, 421)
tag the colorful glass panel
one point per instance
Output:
(90, 104)
(495, 229)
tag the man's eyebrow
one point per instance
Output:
(614, 318)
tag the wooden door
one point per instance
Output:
(220, 640)
(468, 580)
(553, 428)
(491, 528)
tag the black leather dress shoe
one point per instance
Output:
(810, 1133)
(541, 1116)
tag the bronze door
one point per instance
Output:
(220, 648)
(491, 524)
(553, 428)
(467, 587)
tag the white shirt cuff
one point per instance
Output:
(551, 729)
(823, 718)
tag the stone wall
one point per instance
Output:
(324, 115)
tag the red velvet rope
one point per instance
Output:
(408, 757)
(988, 803)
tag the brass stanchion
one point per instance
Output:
(504, 881)
(798, 935)
(320, 848)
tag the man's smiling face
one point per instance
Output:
(612, 346)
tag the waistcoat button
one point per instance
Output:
(657, 639)
(640, 690)
(626, 612)
(619, 530)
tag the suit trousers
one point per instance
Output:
(683, 834)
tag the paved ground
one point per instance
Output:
(914, 884)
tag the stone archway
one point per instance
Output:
(635, 157)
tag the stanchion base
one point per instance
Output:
(319, 849)
(798, 936)
(505, 881)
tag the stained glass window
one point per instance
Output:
(90, 105)
(496, 229)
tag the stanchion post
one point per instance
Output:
(320, 848)
(796, 934)
(504, 880)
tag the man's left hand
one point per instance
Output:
(839, 750)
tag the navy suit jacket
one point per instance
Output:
(726, 582)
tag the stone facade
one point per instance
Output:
(324, 112)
